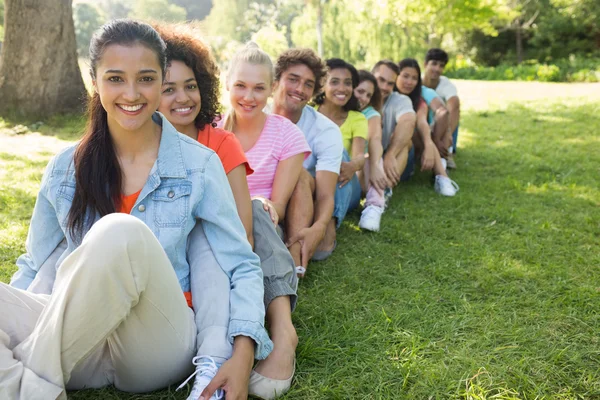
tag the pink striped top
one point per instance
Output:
(279, 140)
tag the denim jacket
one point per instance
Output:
(187, 183)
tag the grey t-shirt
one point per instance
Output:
(394, 107)
(325, 141)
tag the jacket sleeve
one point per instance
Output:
(43, 237)
(227, 238)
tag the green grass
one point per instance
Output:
(492, 294)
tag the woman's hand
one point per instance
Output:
(378, 179)
(234, 374)
(428, 157)
(269, 207)
(391, 169)
(347, 171)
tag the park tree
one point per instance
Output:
(114, 9)
(87, 18)
(39, 73)
(195, 9)
(159, 10)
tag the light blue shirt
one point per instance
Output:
(187, 183)
(370, 112)
(325, 140)
(428, 95)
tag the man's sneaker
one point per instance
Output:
(445, 186)
(450, 161)
(387, 195)
(206, 369)
(370, 218)
(444, 163)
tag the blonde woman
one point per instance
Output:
(275, 149)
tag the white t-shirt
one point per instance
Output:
(324, 139)
(446, 89)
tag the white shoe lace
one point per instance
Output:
(206, 367)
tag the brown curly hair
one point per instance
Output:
(184, 43)
(308, 57)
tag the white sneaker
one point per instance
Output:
(387, 195)
(206, 369)
(444, 163)
(370, 218)
(445, 186)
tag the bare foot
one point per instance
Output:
(328, 241)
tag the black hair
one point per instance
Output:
(436, 55)
(415, 95)
(338, 63)
(97, 171)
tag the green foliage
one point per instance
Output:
(1, 20)
(575, 69)
(87, 18)
(195, 9)
(115, 9)
(271, 40)
(159, 10)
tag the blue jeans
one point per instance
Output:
(455, 139)
(409, 171)
(347, 198)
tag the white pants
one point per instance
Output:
(117, 315)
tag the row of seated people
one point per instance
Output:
(283, 183)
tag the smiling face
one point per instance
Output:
(407, 80)
(364, 93)
(386, 79)
(180, 100)
(128, 81)
(338, 87)
(295, 87)
(249, 89)
(434, 69)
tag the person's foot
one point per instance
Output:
(370, 218)
(279, 365)
(444, 163)
(445, 186)
(451, 164)
(206, 369)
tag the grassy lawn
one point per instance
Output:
(492, 294)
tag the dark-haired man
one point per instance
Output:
(299, 74)
(435, 62)
(399, 121)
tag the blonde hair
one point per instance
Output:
(253, 55)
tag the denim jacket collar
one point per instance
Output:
(169, 163)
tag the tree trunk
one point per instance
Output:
(39, 73)
(320, 27)
(519, 42)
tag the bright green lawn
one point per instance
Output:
(492, 294)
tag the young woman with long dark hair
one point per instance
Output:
(338, 103)
(409, 83)
(117, 314)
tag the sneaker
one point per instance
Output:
(444, 163)
(370, 218)
(445, 186)
(450, 162)
(206, 369)
(387, 195)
